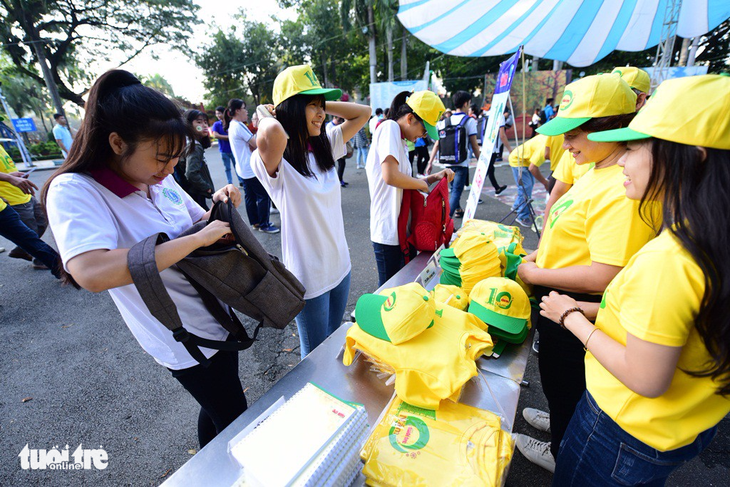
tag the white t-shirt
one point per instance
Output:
(313, 243)
(471, 129)
(373, 123)
(85, 215)
(385, 200)
(238, 137)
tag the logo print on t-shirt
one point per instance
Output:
(559, 210)
(172, 195)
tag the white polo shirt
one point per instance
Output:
(313, 244)
(238, 137)
(385, 200)
(105, 212)
(470, 126)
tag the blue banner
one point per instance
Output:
(507, 73)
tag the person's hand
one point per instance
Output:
(555, 304)
(269, 108)
(213, 232)
(530, 257)
(546, 187)
(427, 171)
(25, 185)
(524, 270)
(448, 173)
(227, 192)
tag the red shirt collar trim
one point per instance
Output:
(113, 182)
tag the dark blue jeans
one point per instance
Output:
(389, 259)
(597, 452)
(257, 201)
(461, 177)
(229, 162)
(12, 228)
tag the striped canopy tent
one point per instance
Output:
(579, 32)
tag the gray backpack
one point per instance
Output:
(241, 274)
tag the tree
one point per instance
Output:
(238, 63)
(159, 83)
(64, 36)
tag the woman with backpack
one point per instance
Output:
(295, 162)
(590, 235)
(116, 189)
(411, 115)
(658, 361)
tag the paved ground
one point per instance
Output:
(72, 373)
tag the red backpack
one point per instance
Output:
(424, 224)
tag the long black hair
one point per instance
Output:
(191, 116)
(693, 188)
(234, 104)
(291, 113)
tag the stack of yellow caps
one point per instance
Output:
(472, 258)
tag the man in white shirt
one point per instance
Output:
(62, 134)
(373, 123)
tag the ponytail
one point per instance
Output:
(399, 107)
(234, 104)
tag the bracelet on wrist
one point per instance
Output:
(585, 345)
(565, 314)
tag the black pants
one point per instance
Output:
(219, 392)
(490, 172)
(257, 201)
(341, 169)
(562, 368)
(422, 161)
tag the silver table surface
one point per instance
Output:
(496, 388)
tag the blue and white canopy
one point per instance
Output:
(579, 32)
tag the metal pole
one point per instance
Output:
(18, 140)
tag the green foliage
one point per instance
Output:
(158, 82)
(41, 150)
(74, 35)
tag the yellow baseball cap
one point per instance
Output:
(691, 111)
(452, 295)
(637, 78)
(601, 95)
(301, 79)
(429, 107)
(501, 303)
(397, 314)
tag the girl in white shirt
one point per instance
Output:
(295, 161)
(411, 116)
(116, 189)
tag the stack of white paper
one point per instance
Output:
(313, 439)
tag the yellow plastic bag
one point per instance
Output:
(457, 445)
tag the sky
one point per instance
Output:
(180, 71)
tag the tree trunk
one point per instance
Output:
(693, 51)
(389, 40)
(371, 45)
(684, 52)
(403, 55)
(324, 69)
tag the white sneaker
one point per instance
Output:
(540, 420)
(538, 452)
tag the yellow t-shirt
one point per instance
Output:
(656, 298)
(593, 222)
(432, 366)
(8, 192)
(531, 152)
(555, 143)
(568, 171)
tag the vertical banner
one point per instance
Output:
(499, 100)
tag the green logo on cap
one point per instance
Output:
(567, 100)
(312, 78)
(389, 303)
(501, 300)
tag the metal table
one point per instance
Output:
(496, 388)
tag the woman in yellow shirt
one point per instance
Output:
(590, 234)
(658, 362)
